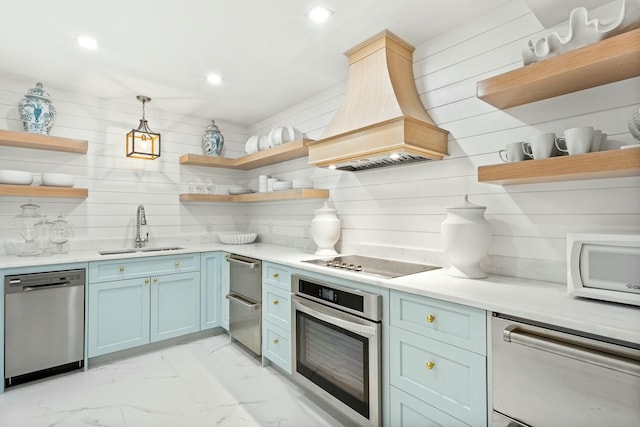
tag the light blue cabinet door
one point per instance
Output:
(175, 305)
(407, 411)
(444, 376)
(210, 285)
(276, 345)
(276, 306)
(118, 315)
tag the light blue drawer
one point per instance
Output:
(276, 306)
(276, 345)
(407, 411)
(277, 275)
(446, 377)
(455, 324)
(104, 271)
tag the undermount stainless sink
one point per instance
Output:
(134, 250)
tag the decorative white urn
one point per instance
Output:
(325, 230)
(466, 236)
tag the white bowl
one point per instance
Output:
(15, 177)
(237, 238)
(58, 179)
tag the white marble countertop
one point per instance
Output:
(539, 301)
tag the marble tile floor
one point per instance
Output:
(209, 382)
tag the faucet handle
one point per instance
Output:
(147, 238)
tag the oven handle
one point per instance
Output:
(246, 303)
(253, 264)
(344, 320)
(583, 354)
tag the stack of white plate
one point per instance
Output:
(281, 185)
(302, 183)
(238, 189)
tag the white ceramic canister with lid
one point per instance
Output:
(325, 230)
(466, 236)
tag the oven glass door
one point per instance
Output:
(339, 353)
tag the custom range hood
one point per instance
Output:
(381, 121)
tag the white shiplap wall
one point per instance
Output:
(117, 184)
(393, 212)
(397, 212)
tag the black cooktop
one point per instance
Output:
(373, 266)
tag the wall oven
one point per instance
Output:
(336, 346)
(551, 377)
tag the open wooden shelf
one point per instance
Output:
(43, 191)
(42, 142)
(296, 194)
(603, 164)
(607, 61)
(277, 154)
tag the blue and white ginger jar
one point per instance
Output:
(212, 140)
(36, 111)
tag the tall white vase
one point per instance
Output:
(325, 230)
(466, 236)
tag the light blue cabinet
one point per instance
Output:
(437, 362)
(130, 304)
(276, 314)
(210, 289)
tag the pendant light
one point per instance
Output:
(143, 143)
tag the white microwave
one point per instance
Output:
(604, 267)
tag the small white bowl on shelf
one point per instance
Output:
(50, 179)
(15, 177)
(237, 238)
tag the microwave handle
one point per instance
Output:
(584, 354)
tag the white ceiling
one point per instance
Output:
(270, 55)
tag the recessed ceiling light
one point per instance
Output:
(214, 79)
(319, 14)
(87, 42)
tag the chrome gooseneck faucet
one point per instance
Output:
(141, 219)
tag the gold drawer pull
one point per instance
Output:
(276, 341)
(155, 280)
(177, 263)
(431, 364)
(276, 275)
(431, 318)
(121, 269)
(146, 281)
(275, 302)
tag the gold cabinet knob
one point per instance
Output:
(177, 263)
(146, 281)
(276, 275)
(155, 280)
(431, 364)
(275, 302)
(276, 341)
(431, 318)
(121, 269)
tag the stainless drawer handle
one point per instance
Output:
(245, 303)
(583, 354)
(255, 264)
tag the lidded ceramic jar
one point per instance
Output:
(466, 236)
(325, 230)
(36, 111)
(212, 140)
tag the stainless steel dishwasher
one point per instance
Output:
(245, 301)
(44, 324)
(547, 376)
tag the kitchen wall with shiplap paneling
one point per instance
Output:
(117, 184)
(396, 212)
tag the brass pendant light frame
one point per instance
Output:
(143, 143)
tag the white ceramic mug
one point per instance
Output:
(540, 146)
(512, 152)
(578, 140)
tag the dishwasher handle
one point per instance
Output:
(584, 354)
(251, 263)
(244, 302)
(47, 286)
